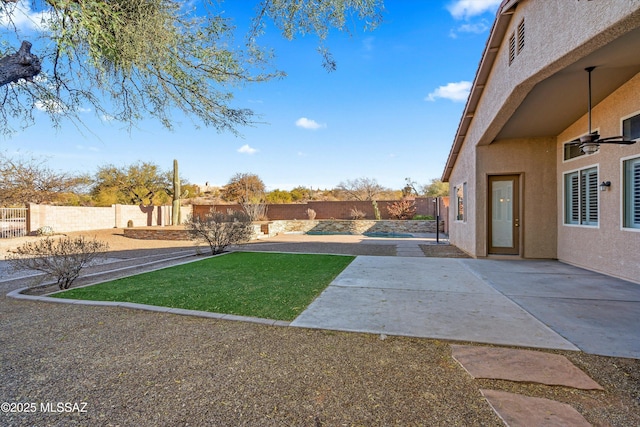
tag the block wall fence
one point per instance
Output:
(335, 209)
(80, 218)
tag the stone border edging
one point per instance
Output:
(17, 294)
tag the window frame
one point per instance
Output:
(624, 194)
(581, 197)
(628, 117)
(460, 195)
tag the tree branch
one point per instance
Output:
(20, 65)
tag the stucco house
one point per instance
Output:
(520, 186)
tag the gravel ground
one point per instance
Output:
(137, 368)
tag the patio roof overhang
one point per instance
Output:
(552, 99)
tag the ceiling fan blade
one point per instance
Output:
(615, 140)
(610, 138)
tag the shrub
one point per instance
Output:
(423, 217)
(311, 214)
(402, 209)
(357, 214)
(220, 230)
(44, 231)
(60, 259)
(256, 211)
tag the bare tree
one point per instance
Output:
(220, 230)
(60, 259)
(360, 189)
(26, 180)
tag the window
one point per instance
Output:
(571, 151)
(631, 127)
(631, 200)
(581, 197)
(461, 196)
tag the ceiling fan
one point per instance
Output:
(590, 143)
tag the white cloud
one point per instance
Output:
(49, 106)
(475, 28)
(465, 9)
(367, 44)
(246, 149)
(21, 16)
(305, 123)
(457, 92)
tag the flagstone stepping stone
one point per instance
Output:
(522, 366)
(518, 410)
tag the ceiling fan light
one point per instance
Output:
(589, 148)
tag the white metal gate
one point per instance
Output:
(13, 222)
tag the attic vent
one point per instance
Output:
(516, 42)
(512, 48)
(521, 36)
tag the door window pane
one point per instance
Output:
(502, 214)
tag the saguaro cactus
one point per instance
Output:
(177, 191)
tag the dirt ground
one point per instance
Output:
(131, 367)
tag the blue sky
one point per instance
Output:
(389, 111)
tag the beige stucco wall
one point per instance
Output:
(571, 30)
(462, 233)
(607, 248)
(534, 160)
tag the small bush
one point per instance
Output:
(311, 214)
(60, 259)
(357, 214)
(402, 209)
(256, 211)
(220, 230)
(44, 231)
(423, 217)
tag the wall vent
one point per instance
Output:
(521, 36)
(512, 48)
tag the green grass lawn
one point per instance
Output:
(268, 285)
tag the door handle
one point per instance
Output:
(517, 224)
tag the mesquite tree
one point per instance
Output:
(133, 59)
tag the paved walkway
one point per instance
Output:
(539, 304)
